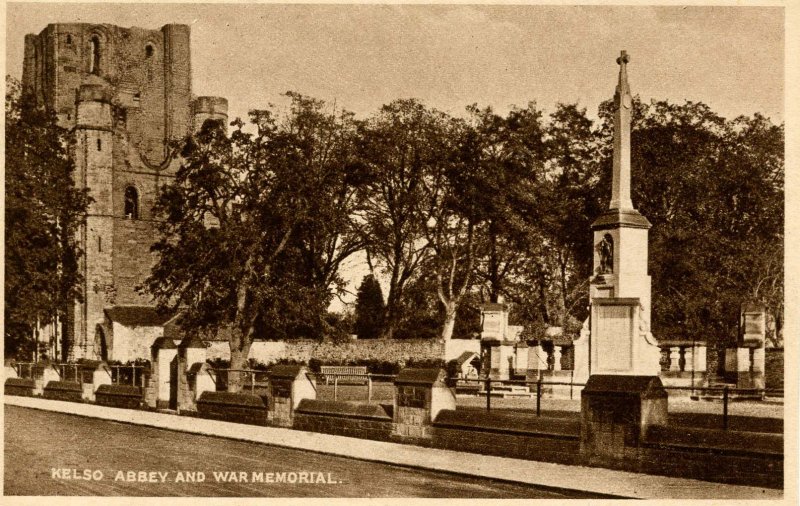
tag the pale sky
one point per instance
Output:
(450, 56)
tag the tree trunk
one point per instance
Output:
(449, 320)
(392, 302)
(240, 352)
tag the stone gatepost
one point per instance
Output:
(419, 396)
(616, 413)
(50, 373)
(163, 352)
(101, 375)
(537, 361)
(9, 368)
(191, 357)
(205, 380)
(288, 385)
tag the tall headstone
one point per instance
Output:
(494, 339)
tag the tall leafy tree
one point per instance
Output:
(398, 145)
(232, 232)
(506, 155)
(452, 217)
(43, 213)
(572, 198)
(328, 235)
(327, 143)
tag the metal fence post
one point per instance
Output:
(539, 396)
(335, 387)
(725, 408)
(571, 381)
(488, 394)
(369, 389)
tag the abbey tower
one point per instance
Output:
(126, 94)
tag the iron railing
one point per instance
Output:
(725, 394)
(134, 375)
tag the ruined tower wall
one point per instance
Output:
(126, 92)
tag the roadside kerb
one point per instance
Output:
(588, 479)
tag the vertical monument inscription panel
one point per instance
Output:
(613, 338)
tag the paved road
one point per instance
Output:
(47, 454)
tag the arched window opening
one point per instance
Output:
(99, 145)
(148, 51)
(131, 203)
(99, 244)
(94, 63)
(69, 39)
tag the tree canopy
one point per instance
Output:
(255, 225)
(43, 212)
(454, 212)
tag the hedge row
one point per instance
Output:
(373, 366)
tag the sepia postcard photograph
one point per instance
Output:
(398, 251)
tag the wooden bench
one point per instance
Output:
(345, 374)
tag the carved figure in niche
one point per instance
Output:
(606, 250)
(131, 203)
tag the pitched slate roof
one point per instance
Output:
(173, 330)
(136, 316)
(466, 356)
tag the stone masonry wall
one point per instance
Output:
(377, 430)
(390, 350)
(531, 446)
(141, 94)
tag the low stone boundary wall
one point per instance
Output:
(232, 407)
(20, 386)
(742, 458)
(364, 421)
(509, 435)
(63, 391)
(119, 396)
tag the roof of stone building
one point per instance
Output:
(466, 356)
(172, 329)
(137, 316)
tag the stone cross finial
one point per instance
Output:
(623, 58)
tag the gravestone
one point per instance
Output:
(494, 340)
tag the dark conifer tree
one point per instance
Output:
(369, 309)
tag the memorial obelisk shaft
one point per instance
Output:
(619, 293)
(621, 183)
